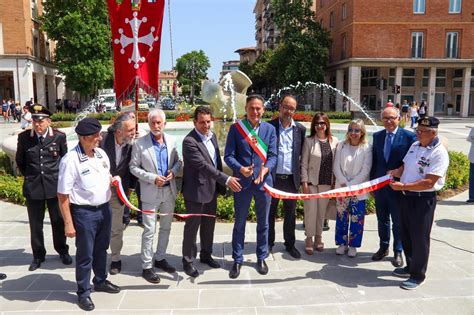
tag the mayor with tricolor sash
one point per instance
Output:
(251, 154)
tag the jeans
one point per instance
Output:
(471, 182)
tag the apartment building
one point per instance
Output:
(168, 83)
(26, 68)
(425, 48)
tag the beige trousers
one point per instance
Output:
(315, 211)
(116, 237)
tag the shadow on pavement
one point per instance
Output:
(455, 224)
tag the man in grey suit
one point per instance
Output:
(155, 162)
(290, 139)
(203, 179)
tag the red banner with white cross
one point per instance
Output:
(136, 37)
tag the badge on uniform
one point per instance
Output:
(104, 164)
(85, 172)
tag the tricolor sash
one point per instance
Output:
(249, 134)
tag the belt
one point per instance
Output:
(88, 207)
(283, 176)
(419, 193)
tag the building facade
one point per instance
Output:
(424, 49)
(26, 54)
(267, 35)
(168, 83)
(228, 67)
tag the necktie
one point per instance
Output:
(41, 139)
(388, 146)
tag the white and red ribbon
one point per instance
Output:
(353, 190)
(121, 194)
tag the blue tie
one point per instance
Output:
(388, 146)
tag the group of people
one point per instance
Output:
(410, 112)
(76, 187)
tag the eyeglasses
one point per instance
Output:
(350, 130)
(418, 130)
(320, 123)
(389, 118)
(289, 109)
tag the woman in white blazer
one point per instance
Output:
(352, 165)
(316, 176)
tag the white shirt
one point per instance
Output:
(421, 161)
(285, 149)
(207, 140)
(470, 138)
(25, 120)
(86, 180)
(118, 151)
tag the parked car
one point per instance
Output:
(109, 102)
(167, 104)
(151, 101)
(143, 105)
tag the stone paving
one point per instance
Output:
(322, 283)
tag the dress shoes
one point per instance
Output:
(293, 252)
(66, 259)
(262, 267)
(35, 264)
(326, 225)
(210, 262)
(163, 265)
(3, 276)
(86, 304)
(235, 271)
(380, 254)
(115, 267)
(189, 269)
(397, 260)
(150, 276)
(107, 287)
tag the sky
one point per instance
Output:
(218, 27)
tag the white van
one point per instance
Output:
(109, 101)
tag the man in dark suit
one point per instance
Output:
(38, 154)
(244, 157)
(116, 142)
(286, 175)
(389, 148)
(203, 179)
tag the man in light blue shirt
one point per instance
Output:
(290, 138)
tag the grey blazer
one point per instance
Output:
(144, 166)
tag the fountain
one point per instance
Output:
(227, 101)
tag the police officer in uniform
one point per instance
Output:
(84, 194)
(422, 174)
(39, 151)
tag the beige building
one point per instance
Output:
(26, 68)
(229, 66)
(167, 79)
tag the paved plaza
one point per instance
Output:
(318, 284)
(322, 283)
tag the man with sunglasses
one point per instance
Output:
(39, 151)
(422, 174)
(389, 148)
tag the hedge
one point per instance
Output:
(11, 189)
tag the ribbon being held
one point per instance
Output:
(353, 190)
(117, 182)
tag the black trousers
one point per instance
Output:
(417, 214)
(289, 211)
(205, 225)
(36, 210)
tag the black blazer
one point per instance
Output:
(400, 145)
(299, 133)
(122, 169)
(201, 178)
(39, 163)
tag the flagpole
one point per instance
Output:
(136, 103)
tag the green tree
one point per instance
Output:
(302, 53)
(263, 72)
(192, 69)
(82, 34)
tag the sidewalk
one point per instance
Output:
(322, 283)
